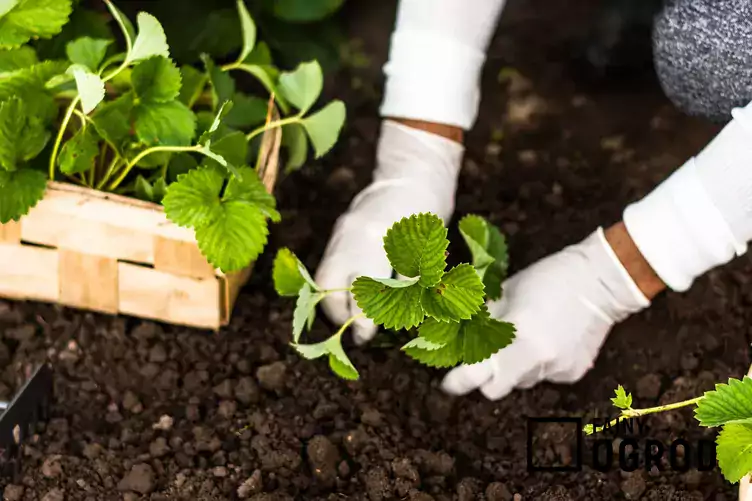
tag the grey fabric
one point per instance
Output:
(703, 55)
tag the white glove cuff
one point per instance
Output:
(683, 228)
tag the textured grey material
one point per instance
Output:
(703, 55)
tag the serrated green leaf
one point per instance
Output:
(216, 124)
(87, 51)
(144, 189)
(622, 400)
(295, 140)
(194, 82)
(305, 11)
(439, 333)
(305, 310)
(488, 248)
(483, 336)
(22, 136)
(340, 363)
(447, 355)
(396, 283)
(194, 200)
(324, 126)
(213, 160)
(457, 297)
(125, 24)
(728, 403)
(156, 79)
(17, 59)
(246, 111)
(302, 86)
(150, 41)
(416, 247)
(233, 148)
(250, 189)
(222, 84)
(20, 191)
(312, 351)
(423, 344)
(179, 164)
(166, 124)
(734, 451)
(32, 19)
(286, 273)
(394, 308)
(79, 152)
(248, 27)
(28, 84)
(113, 119)
(90, 87)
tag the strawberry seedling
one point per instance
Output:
(445, 307)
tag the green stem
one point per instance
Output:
(260, 75)
(60, 133)
(272, 125)
(144, 153)
(348, 323)
(110, 169)
(632, 413)
(332, 291)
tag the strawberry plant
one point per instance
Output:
(129, 120)
(444, 308)
(728, 406)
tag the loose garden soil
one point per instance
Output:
(147, 411)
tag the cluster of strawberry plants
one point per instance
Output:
(444, 309)
(131, 121)
(728, 406)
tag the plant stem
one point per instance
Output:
(632, 413)
(148, 151)
(59, 138)
(272, 125)
(332, 291)
(260, 74)
(347, 324)
(108, 173)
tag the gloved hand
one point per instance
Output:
(563, 307)
(416, 171)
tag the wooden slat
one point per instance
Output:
(10, 232)
(181, 258)
(88, 281)
(230, 288)
(28, 272)
(150, 293)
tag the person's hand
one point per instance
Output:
(416, 171)
(563, 307)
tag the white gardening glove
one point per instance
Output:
(563, 307)
(416, 172)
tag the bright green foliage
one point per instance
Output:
(728, 403)
(88, 52)
(168, 124)
(734, 451)
(27, 20)
(391, 306)
(113, 119)
(324, 126)
(156, 79)
(295, 140)
(416, 247)
(290, 274)
(22, 136)
(248, 28)
(28, 85)
(305, 310)
(458, 296)
(489, 250)
(622, 400)
(338, 360)
(16, 59)
(19, 192)
(302, 86)
(90, 87)
(149, 192)
(79, 153)
(150, 41)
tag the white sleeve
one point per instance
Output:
(436, 55)
(701, 216)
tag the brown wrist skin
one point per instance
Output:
(448, 131)
(634, 262)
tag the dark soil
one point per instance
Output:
(146, 411)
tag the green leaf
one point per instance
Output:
(179, 164)
(622, 400)
(483, 336)
(209, 134)
(32, 19)
(260, 55)
(248, 28)
(433, 355)
(233, 148)
(290, 274)
(79, 152)
(125, 25)
(222, 84)
(305, 310)
(113, 119)
(302, 86)
(150, 41)
(734, 451)
(20, 191)
(90, 87)
(28, 84)
(295, 140)
(246, 111)
(416, 246)
(167, 124)
(264, 75)
(194, 82)
(324, 126)
(144, 189)
(439, 333)
(392, 307)
(249, 188)
(82, 22)
(338, 360)
(489, 251)
(458, 296)
(87, 51)
(160, 189)
(156, 79)
(396, 283)
(728, 403)
(22, 136)
(194, 200)
(305, 11)
(17, 59)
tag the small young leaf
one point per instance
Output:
(113, 119)
(179, 164)
(728, 403)
(489, 250)
(87, 51)
(32, 19)
(90, 87)
(194, 82)
(458, 296)
(249, 188)
(222, 84)
(249, 30)
(167, 124)
(302, 86)
(734, 451)
(416, 246)
(159, 190)
(305, 310)
(261, 55)
(156, 79)
(22, 136)
(622, 400)
(20, 191)
(79, 152)
(144, 189)
(295, 140)
(247, 111)
(286, 273)
(193, 200)
(17, 59)
(324, 126)
(340, 363)
(427, 353)
(150, 41)
(394, 308)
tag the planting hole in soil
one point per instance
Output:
(150, 410)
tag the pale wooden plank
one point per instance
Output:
(10, 232)
(231, 285)
(180, 258)
(149, 293)
(28, 272)
(88, 281)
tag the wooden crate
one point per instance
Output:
(112, 254)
